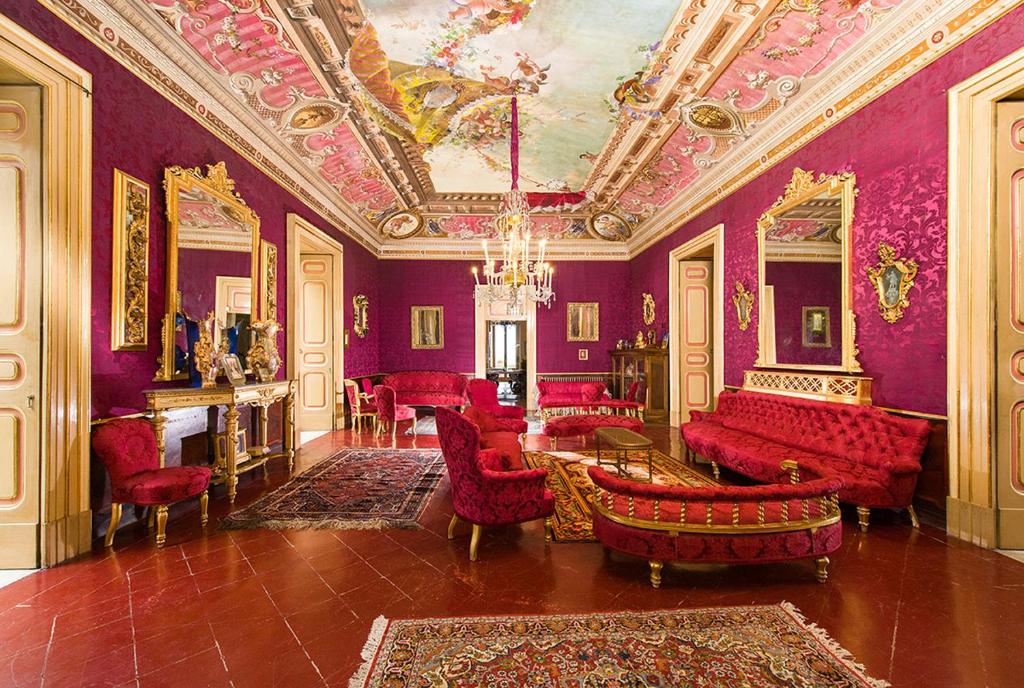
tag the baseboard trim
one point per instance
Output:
(971, 522)
(66, 538)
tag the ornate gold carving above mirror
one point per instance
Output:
(213, 262)
(744, 302)
(361, 315)
(892, 277)
(648, 307)
(583, 322)
(130, 279)
(805, 318)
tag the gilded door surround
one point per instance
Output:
(66, 517)
(920, 32)
(971, 508)
(712, 241)
(301, 236)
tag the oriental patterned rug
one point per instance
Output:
(574, 491)
(354, 489)
(770, 646)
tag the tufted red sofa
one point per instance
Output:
(428, 388)
(721, 525)
(876, 454)
(584, 424)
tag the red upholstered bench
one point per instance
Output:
(428, 388)
(580, 425)
(721, 525)
(566, 394)
(876, 454)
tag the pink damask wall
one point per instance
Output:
(897, 146)
(139, 132)
(408, 283)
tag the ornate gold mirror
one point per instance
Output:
(213, 241)
(806, 318)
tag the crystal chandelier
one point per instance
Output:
(520, 277)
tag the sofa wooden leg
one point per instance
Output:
(655, 573)
(554, 444)
(204, 504)
(821, 568)
(451, 526)
(913, 517)
(474, 541)
(547, 530)
(714, 469)
(863, 517)
(161, 525)
(115, 518)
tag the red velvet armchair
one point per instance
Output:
(483, 394)
(128, 449)
(361, 405)
(483, 494)
(390, 413)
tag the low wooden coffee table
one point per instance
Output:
(623, 441)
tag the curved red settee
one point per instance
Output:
(720, 525)
(876, 454)
(428, 388)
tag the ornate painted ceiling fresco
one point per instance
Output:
(403, 105)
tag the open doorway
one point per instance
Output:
(506, 359)
(696, 325)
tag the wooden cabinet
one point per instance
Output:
(629, 365)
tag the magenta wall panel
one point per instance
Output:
(897, 146)
(140, 132)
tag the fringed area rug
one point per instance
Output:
(726, 647)
(354, 489)
(574, 492)
(427, 426)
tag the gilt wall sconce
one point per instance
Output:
(892, 278)
(744, 302)
(648, 309)
(360, 315)
(268, 256)
(130, 283)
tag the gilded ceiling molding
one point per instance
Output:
(153, 52)
(928, 30)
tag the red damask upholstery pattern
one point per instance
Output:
(127, 448)
(584, 424)
(482, 496)
(428, 388)
(483, 394)
(636, 500)
(387, 409)
(567, 393)
(877, 455)
(488, 422)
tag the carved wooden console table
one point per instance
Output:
(258, 394)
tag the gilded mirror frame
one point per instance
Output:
(801, 187)
(218, 184)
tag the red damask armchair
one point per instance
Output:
(361, 405)
(390, 413)
(483, 494)
(484, 395)
(128, 449)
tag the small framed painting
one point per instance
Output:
(427, 327)
(583, 354)
(817, 327)
(233, 369)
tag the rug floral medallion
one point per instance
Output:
(768, 646)
(574, 491)
(354, 489)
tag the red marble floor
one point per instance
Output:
(292, 608)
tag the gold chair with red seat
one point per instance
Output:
(390, 413)
(128, 449)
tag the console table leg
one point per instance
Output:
(159, 421)
(230, 450)
(288, 441)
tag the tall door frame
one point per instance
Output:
(481, 318)
(971, 506)
(303, 236)
(65, 517)
(715, 239)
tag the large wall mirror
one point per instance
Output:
(213, 241)
(805, 314)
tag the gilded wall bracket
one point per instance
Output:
(892, 278)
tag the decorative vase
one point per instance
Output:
(263, 355)
(206, 357)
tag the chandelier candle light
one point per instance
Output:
(518, 278)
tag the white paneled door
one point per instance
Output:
(20, 323)
(316, 343)
(1009, 324)
(696, 337)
